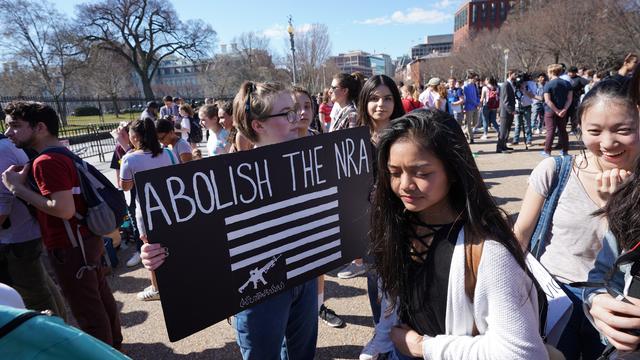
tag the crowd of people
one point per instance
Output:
(446, 270)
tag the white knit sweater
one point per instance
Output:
(505, 309)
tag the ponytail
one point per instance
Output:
(146, 131)
(254, 101)
(353, 83)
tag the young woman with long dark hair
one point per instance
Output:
(432, 219)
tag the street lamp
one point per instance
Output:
(324, 76)
(506, 62)
(293, 49)
(451, 71)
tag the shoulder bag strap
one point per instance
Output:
(473, 254)
(17, 321)
(170, 153)
(560, 178)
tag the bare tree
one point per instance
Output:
(313, 48)
(44, 40)
(144, 32)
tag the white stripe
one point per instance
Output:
(312, 252)
(281, 220)
(280, 205)
(282, 235)
(75, 190)
(316, 264)
(284, 248)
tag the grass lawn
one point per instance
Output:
(95, 119)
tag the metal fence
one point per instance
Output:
(90, 136)
(92, 140)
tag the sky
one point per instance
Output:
(389, 27)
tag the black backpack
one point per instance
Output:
(195, 134)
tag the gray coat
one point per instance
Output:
(507, 100)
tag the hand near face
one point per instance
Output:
(613, 318)
(609, 181)
(407, 340)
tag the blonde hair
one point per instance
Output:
(209, 111)
(554, 69)
(254, 101)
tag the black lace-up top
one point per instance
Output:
(425, 303)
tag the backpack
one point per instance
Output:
(195, 134)
(26, 334)
(493, 100)
(106, 206)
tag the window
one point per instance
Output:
(474, 14)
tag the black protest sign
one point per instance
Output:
(244, 226)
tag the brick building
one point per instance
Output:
(477, 15)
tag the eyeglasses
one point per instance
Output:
(291, 115)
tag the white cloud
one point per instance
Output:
(410, 16)
(443, 4)
(277, 31)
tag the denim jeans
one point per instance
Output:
(537, 116)
(282, 327)
(523, 118)
(579, 340)
(373, 292)
(489, 117)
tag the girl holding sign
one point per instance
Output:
(445, 252)
(609, 123)
(284, 326)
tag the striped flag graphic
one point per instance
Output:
(304, 229)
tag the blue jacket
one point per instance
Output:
(471, 97)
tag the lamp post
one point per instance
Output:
(324, 76)
(293, 49)
(451, 71)
(506, 62)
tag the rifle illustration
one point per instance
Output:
(257, 275)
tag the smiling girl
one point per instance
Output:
(609, 123)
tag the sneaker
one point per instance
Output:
(134, 260)
(329, 317)
(483, 137)
(370, 351)
(515, 143)
(352, 270)
(536, 132)
(148, 294)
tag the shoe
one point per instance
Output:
(352, 270)
(536, 132)
(499, 151)
(483, 137)
(148, 294)
(329, 317)
(544, 154)
(134, 260)
(515, 143)
(529, 143)
(508, 148)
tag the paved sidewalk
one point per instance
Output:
(143, 324)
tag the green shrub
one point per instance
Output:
(87, 111)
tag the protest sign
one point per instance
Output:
(242, 227)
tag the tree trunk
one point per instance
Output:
(61, 111)
(146, 88)
(116, 108)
